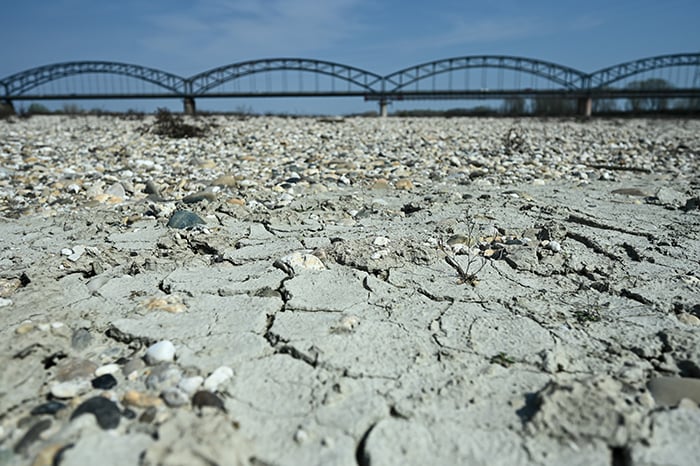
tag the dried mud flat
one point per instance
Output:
(350, 292)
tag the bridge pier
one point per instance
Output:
(383, 108)
(7, 107)
(190, 108)
(585, 106)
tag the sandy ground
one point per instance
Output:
(449, 323)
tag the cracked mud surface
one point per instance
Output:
(379, 353)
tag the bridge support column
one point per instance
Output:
(6, 107)
(585, 106)
(190, 108)
(383, 108)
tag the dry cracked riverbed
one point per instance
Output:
(367, 323)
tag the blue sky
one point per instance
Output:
(187, 37)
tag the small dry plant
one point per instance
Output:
(469, 272)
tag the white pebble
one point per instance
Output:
(301, 436)
(298, 262)
(219, 376)
(70, 388)
(381, 241)
(379, 254)
(190, 385)
(5, 302)
(163, 351)
(554, 246)
(107, 369)
(76, 254)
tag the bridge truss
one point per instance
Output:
(442, 78)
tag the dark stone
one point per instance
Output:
(410, 208)
(692, 204)
(182, 219)
(105, 411)
(104, 382)
(206, 398)
(199, 197)
(50, 407)
(151, 188)
(149, 415)
(31, 436)
(129, 413)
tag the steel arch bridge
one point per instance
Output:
(564, 81)
(20, 83)
(204, 83)
(569, 78)
(607, 76)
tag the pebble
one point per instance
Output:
(219, 376)
(163, 376)
(140, 399)
(107, 369)
(554, 246)
(199, 197)
(104, 382)
(132, 368)
(669, 391)
(8, 286)
(226, 181)
(70, 389)
(116, 191)
(297, 262)
(204, 398)
(80, 339)
(170, 303)
(50, 407)
(74, 253)
(190, 385)
(50, 455)
(5, 302)
(163, 351)
(106, 412)
(406, 153)
(31, 436)
(183, 219)
(151, 188)
(688, 319)
(301, 436)
(405, 185)
(75, 368)
(381, 241)
(175, 397)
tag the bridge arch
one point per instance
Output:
(20, 83)
(606, 76)
(203, 82)
(565, 76)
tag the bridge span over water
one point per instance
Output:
(468, 77)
